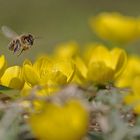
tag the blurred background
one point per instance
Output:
(55, 21)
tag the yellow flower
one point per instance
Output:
(66, 50)
(52, 73)
(131, 71)
(88, 49)
(116, 27)
(104, 65)
(133, 98)
(70, 51)
(60, 122)
(131, 78)
(3, 64)
(13, 77)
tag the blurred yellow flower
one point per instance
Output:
(104, 65)
(130, 78)
(70, 50)
(68, 121)
(131, 71)
(3, 64)
(13, 77)
(133, 98)
(66, 50)
(116, 27)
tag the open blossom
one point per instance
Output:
(49, 73)
(116, 27)
(101, 65)
(13, 77)
(105, 65)
(68, 121)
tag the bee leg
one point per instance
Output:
(15, 49)
(21, 52)
(17, 46)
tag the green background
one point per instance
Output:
(56, 21)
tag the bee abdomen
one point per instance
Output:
(12, 45)
(15, 45)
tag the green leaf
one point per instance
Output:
(4, 88)
(13, 94)
(9, 92)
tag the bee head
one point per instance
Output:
(30, 39)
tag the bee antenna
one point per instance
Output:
(37, 37)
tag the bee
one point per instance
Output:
(18, 43)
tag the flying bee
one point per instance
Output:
(19, 43)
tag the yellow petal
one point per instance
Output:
(25, 91)
(99, 73)
(66, 67)
(80, 71)
(55, 77)
(119, 60)
(134, 101)
(89, 49)
(131, 71)
(135, 85)
(59, 78)
(81, 67)
(66, 50)
(13, 77)
(101, 53)
(30, 75)
(42, 65)
(3, 64)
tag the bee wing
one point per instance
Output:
(8, 32)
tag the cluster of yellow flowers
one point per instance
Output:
(121, 30)
(96, 65)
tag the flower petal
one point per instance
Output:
(42, 65)
(66, 67)
(13, 77)
(30, 75)
(3, 64)
(119, 60)
(101, 53)
(67, 50)
(99, 73)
